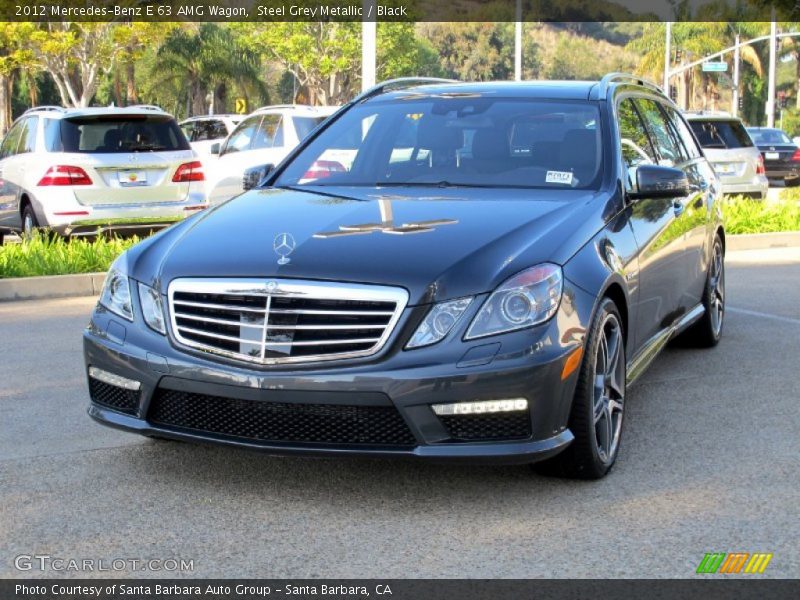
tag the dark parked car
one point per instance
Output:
(482, 278)
(781, 155)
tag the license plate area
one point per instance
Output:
(132, 178)
(725, 168)
(772, 155)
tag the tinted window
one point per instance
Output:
(445, 140)
(721, 134)
(269, 132)
(634, 141)
(113, 134)
(201, 131)
(667, 147)
(242, 136)
(28, 135)
(769, 136)
(305, 125)
(11, 141)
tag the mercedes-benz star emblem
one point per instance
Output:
(284, 245)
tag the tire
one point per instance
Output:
(706, 332)
(2, 236)
(29, 222)
(792, 182)
(597, 410)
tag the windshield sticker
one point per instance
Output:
(564, 177)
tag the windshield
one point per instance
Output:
(455, 140)
(112, 134)
(721, 134)
(769, 136)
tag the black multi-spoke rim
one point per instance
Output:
(609, 388)
(716, 304)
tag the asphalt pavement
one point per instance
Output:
(709, 463)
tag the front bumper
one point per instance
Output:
(526, 364)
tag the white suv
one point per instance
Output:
(83, 170)
(264, 137)
(204, 131)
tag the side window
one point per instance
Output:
(269, 133)
(28, 135)
(11, 141)
(683, 132)
(242, 136)
(188, 130)
(216, 130)
(634, 141)
(52, 135)
(667, 147)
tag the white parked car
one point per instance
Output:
(77, 171)
(205, 131)
(731, 151)
(264, 137)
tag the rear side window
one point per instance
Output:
(52, 135)
(721, 134)
(305, 125)
(28, 135)
(108, 134)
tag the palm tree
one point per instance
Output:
(202, 61)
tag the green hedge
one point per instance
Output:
(743, 215)
(51, 255)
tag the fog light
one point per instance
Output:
(111, 379)
(482, 407)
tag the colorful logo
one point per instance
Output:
(733, 563)
(132, 177)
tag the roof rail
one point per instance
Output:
(605, 83)
(146, 107)
(45, 108)
(398, 83)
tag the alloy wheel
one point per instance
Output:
(609, 388)
(716, 301)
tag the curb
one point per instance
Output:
(762, 241)
(90, 284)
(54, 286)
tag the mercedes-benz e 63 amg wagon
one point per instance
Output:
(441, 270)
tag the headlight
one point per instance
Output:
(116, 294)
(438, 323)
(152, 309)
(529, 298)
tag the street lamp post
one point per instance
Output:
(667, 56)
(518, 43)
(773, 46)
(368, 44)
(735, 95)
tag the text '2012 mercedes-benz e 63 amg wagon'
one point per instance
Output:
(441, 270)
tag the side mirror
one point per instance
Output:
(655, 181)
(215, 148)
(254, 176)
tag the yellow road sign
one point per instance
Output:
(241, 106)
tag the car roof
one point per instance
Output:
(578, 90)
(299, 108)
(709, 116)
(56, 112)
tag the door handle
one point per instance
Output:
(678, 208)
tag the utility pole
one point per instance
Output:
(667, 56)
(773, 46)
(369, 44)
(735, 101)
(518, 43)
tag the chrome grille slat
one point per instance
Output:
(282, 320)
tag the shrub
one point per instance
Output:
(50, 255)
(743, 215)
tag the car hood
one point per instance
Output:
(436, 243)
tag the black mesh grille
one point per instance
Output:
(118, 398)
(497, 426)
(281, 422)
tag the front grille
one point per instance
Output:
(280, 422)
(283, 321)
(118, 398)
(514, 425)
